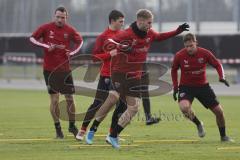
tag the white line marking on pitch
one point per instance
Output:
(229, 148)
(101, 145)
(165, 140)
(24, 139)
(103, 135)
(33, 139)
(122, 139)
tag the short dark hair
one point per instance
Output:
(189, 37)
(61, 9)
(115, 15)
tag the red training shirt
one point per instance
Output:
(101, 50)
(131, 62)
(193, 67)
(49, 34)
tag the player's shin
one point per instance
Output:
(124, 120)
(219, 119)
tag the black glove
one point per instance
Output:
(183, 27)
(175, 92)
(224, 81)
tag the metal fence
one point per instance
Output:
(206, 16)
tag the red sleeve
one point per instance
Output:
(78, 42)
(165, 35)
(212, 60)
(121, 40)
(98, 50)
(123, 35)
(174, 71)
(39, 33)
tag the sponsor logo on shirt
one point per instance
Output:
(200, 60)
(196, 72)
(51, 34)
(147, 40)
(200, 71)
(182, 94)
(186, 65)
(65, 35)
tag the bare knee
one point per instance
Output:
(113, 97)
(185, 106)
(69, 97)
(54, 99)
(70, 101)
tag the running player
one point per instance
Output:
(102, 52)
(192, 61)
(126, 72)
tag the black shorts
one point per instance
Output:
(59, 82)
(204, 94)
(126, 86)
(104, 85)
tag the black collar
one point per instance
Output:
(137, 31)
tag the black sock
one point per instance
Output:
(222, 131)
(57, 125)
(148, 116)
(116, 131)
(71, 124)
(121, 106)
(85, 123)
(196, 121)
(146, 107)
(95, 125)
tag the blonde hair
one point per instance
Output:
(144, 13)
(189, 37)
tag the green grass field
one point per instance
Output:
(27, 132)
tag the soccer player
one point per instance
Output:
(145, 102)
(55, 38)
(102, 53)
(192, 61)
(121, 107)
(134, 43)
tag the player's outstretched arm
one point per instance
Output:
(165, 35)
(224, 81)
(183, 27)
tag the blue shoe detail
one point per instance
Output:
(114, 142)
(89, 137)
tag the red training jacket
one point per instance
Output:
(49, 34)
(193, 67)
